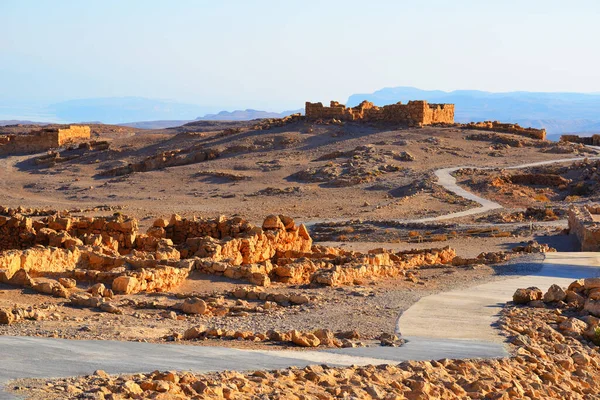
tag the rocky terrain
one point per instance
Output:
(550, 360)
(310, 171)
(76, 277)
(269, 234)
(544, 186)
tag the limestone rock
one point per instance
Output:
(524, 296)
(194, 332)
(299, 299)
(125, 284)
(554, 293)
(67, 282)
(593, 307)
(305, 339)
(194, 306)
(273, 222)
(573, 326)
(6, 317)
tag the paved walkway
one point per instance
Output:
(469, 313)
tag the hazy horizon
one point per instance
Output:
(273, 56)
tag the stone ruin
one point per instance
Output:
(584, 223)
(514, 129)
(54, 254)
(414, 113)
(42, 139)
(593, 140)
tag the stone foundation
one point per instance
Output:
(593, 140)
(584, 223)
(515, 129)
(43, 139)
(417, 112)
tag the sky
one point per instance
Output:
(275, 55)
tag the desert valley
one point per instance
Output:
(334, 231)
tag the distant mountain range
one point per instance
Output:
(20, 122)
(557, 112)
(246, 115)
(237, 115)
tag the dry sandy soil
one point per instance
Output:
(309, 172)
(314, 173)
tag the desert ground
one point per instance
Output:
(294, 235)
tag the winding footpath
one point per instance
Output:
(454, 324)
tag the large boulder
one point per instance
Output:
(6, 317)
(593, 307)
(125, 284)
(591, 283)
(194, 332)
(273, 222)
(554, 293)
(524, 296)
(194, 306)
(573, 326)
(305, 339)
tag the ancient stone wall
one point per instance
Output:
(584, 223)
(515, 129)
(417, 112)
(42, 140)
(233, 239)
(593, 140)
(18, 232)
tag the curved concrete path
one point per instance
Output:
(470, 313)
(448, 182)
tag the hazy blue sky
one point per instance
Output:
(277, 54)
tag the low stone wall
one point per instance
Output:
(19, 232)
(164, 159)
(583, 226)
(515, 129)
(234, 240)
(417, 112)
(593, 140)
(43, 139)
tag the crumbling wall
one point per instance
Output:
(43, 139)
(233, 239)
(417, 112)
(165, 159)
(515, 129)
(18, 232)
(584, 227)
(593, 140)
(73, 133)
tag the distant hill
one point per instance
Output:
(237, 115)
(557, 112)
(20, 122)
(156, 124)
(246, 115)
(119, 110)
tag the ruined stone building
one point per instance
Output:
(42, 139)
(418, 112)
(514, 129)
(593, 140)
(584, 223)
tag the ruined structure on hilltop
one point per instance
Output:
(417, 112)
(584, 222)
(514, 129)
(593, 140)
(42, 139)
